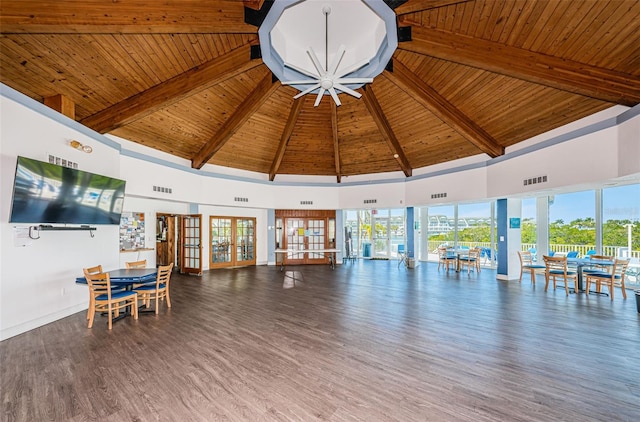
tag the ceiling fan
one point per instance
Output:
(328, 78)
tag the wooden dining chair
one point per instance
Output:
(103, 299)
(136, 264)
(445, 258)
(158, 290)
(610, 279)
(470, 260)
(91, 271)
(556, 268)
(527, 264)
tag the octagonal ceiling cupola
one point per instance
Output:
(327, 47)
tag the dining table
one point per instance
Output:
(126, 278)
(581, 263)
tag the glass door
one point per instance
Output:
(191, 244)
(315, 239)
(381, 233)
(245, 241)
(233, 241)
(221, 239)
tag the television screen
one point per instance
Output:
(48, 193)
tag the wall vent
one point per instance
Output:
(162, 189)
(370, 201)
(535, 180)
(238, 199)
(306, 202)
(62, 161)
(438, 195)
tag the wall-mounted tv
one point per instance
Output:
(49, 193)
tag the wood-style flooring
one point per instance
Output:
(367, 341)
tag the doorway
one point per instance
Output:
(233, 241)
(179, 242)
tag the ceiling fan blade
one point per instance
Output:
(301, 70)
(352, 68)
(337, 60)
(353, 80)
(319, 97)
(347, 90)
(300, 82)
(316, 62)
(334, 95)
(306, 91)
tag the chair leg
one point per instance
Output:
(610, 289)
(520, 279)
(92, 315)
(566, 285)
(546, 282)
(156, 303)
(533, 275)
(134, 305)
(624, 293)
(110, 316)
(168, 299)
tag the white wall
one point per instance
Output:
(37, 281)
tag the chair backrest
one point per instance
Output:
(572, 254)
(93, 270)
(525, 258)
(442, 251)
(601, 257)
(400, 248)
(474, 253)
(99, 283)
(164, 275)
(591, 252)
(620, 267)
(136, 264)
(555, 263)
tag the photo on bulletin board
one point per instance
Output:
(514, 223)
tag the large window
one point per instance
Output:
(621, 227)
(572, 224)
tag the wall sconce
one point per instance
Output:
(84, 148)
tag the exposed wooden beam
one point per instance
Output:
(173, 90)
(123, 17)
(251, 103)
(286, 135)
(602, 84)
(441, 107)
(413, 6)
(62, 104)
(371, 101)
(334, 134)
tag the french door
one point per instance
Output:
(233, 241)
(191, 242)
(303, 235)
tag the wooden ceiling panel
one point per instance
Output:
(310, 149)
(173, 76)
(253, 147)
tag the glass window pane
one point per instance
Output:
(572, 226)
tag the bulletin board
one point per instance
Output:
(132, 231)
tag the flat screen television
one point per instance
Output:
(46, 193)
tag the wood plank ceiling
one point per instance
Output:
(469, 77)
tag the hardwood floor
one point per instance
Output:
(364, 342)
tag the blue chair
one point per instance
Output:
(590, 252)
(534, 254)
(572, 254)
(402, 256)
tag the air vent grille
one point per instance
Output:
(438, 195)
(162, 189)
(62, 161)
(306, 202)
(239, 199)
(370, 201)
(535, 180)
